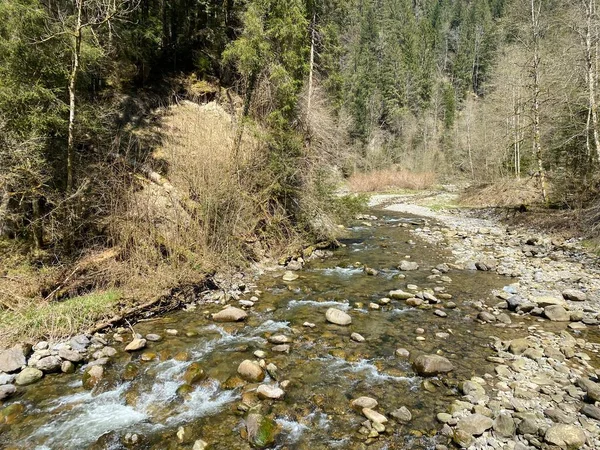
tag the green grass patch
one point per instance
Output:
(56, 319)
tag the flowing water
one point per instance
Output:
(325, 367)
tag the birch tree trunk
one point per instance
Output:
(591, 75)
(535, 75)
(77, 36)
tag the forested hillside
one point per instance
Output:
(314, 91)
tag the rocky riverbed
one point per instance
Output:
(426, 331)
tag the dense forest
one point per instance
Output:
(471, 90)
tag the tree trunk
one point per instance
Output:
(535, 74)
(311, 69)
(72, 85)
(4, 202)
(591, 76)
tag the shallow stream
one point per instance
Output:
(326, 368)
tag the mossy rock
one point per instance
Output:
(130, 372)
(194, 373)
(11, 413)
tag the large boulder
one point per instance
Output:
(70, 355)
(568, 437)
(338, 317)
(230, 314)
(12, 360)
(591, 388)
(429, 365)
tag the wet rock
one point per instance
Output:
(260, 431)
(400, 295)
(230, 314)
(251, 371)
(11, 415)
(557, 313)
(67, 367)
(7, 391)
(475, 424)
(338, 317)
(402, 414)
(565, 436)
(12, 360)
(574, 295)
(429, 365)
(290, 276)
(200, 445)
(364, 402)
(279, 339)
(266, 391)
(70, 355)
(153, 337)
(49, 364)
(357, 337)
(28, 376)
(194, 373)
(591, 388)
(485, 316)
(407, 266)
(272, 371)
(136, 344)
(504, 425)
(402, 353)
(283, 348)
(440, 313)
(591, 411)
(92, 376)
(374, 416)
(370, 271)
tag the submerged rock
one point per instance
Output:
(92, 376)
(290, 276)
(194, 373)
(338, 317)
(429, 365)
(260, 431)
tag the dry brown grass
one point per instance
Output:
(504, 193)
(389, 180)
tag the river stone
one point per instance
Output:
(557, 313)
(400, 295)
(462, 438)
(472, 388)
(407, 266)
(504, 425)
(574, 295)
(49, 364)
(7, 378)
(193, 373)
(200, 445)
(79, 343)
(428, 365)
(290, 276)
(565, 436)
(518, 346)
(279, 339)
(12, 359)
(402, 414)
(475, 424)
(92, 376)
(251, 371)
(136, 344)
(374, 416)
(357, 337)
(591, 411)
(6, 391)
(70, 355)
(283, 348)
(266, 391)
(230, 314)
(261, 431)
(28, 376)
(364, 402)
(443, 417)
(591, 388)
(153, 337)
(338, 317)
(67, 367)
(485, 316)
(544, 301)
(402, 353)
